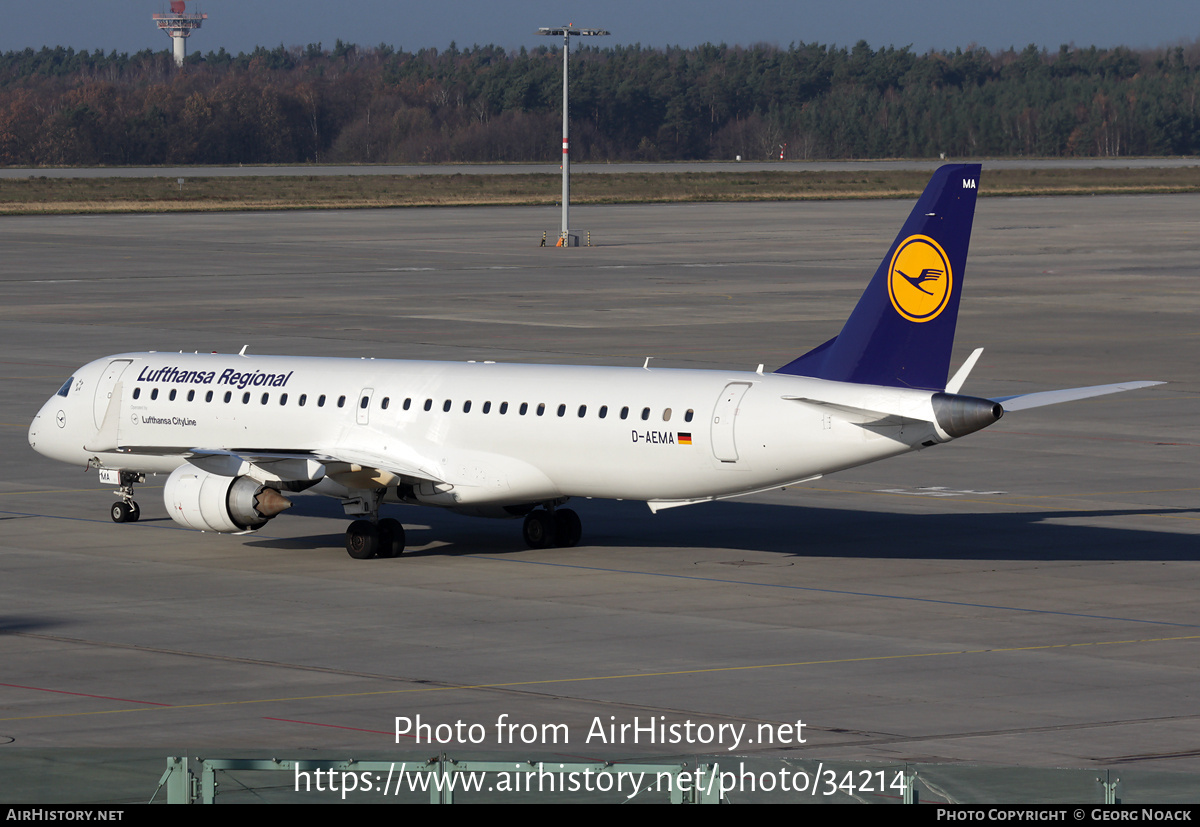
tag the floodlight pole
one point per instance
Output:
(566, 32)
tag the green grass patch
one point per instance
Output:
(287, 192)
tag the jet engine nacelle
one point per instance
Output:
(211, 502)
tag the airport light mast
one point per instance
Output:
(565, 238)
(179, 25)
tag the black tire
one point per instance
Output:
(135, 512)
(121, 512)
(539, 529)
(391, 538)
(362, 540)
(568, 528)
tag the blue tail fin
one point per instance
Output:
(901, 332)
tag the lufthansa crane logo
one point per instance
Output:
(919, 279)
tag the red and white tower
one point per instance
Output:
(179, 25)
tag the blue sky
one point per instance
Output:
(240, 25)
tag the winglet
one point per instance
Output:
(902, 330)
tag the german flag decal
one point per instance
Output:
(685, 439)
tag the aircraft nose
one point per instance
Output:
(33, 431)
(41, 430)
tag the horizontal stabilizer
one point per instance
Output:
(1037, 400)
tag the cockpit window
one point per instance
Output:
(66, 387)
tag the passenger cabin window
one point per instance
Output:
(341, 401)
(667, 415)
(208, 397)
(645, 414)
(228, 396)
(603, 411)
(687, 417)
(582, 411)
(503, 408)
(446, 406)
(562, 409)
(487, 407)
(383, 406)
(625, 412)
(171, 395)
(429, 404)
(303, 398)
(321, 401)
(191, 395)
(467, 406)
(541, 408)
(283, 399)
(246, 398)
(154, 394)
(136, 393)
(364, 402)
(407, 403)
(266, 397)
(524, 408)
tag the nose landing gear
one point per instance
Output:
(125, 511)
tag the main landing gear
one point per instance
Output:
(543, 528)
(552, 527)
(366, 539)
(371, 536)
(126, 511)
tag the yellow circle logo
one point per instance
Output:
(919, 280)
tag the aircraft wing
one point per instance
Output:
(1037, 400)
(858, 415)
(364, 460)
(360, 466)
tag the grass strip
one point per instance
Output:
(311, 192)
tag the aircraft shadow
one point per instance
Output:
(797, 532)
(18, 624)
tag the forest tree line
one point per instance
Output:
(628, 103)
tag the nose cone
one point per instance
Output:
(48, 431)
(36, 427)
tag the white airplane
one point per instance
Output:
(235, 433)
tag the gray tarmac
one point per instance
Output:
(1023, 598)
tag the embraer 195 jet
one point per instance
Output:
(237, 433)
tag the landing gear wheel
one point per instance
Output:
(539, 529)
(362, 540)
(391, 538)
(567, 528)
(123, 512)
